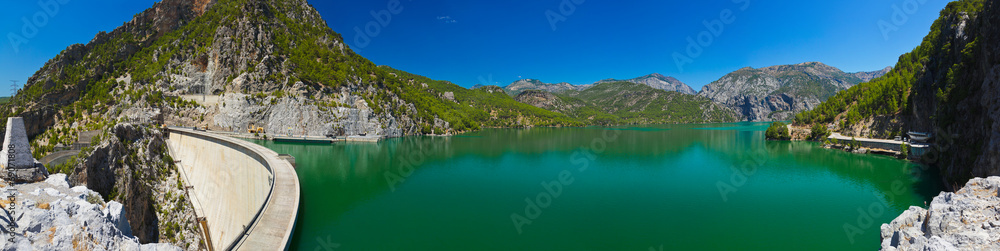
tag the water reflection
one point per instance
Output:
(338, 178)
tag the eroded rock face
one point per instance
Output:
(774, 107)
(131, 164)
(112, 170)
(298, 116)
(963, 220)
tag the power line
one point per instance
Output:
(13, 87)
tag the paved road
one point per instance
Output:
(274, 227)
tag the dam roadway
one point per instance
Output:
(246, 194)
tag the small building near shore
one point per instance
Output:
(916, 149)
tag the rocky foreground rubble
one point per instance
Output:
(51, 215)
(965, 220)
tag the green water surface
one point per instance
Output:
(670, 187)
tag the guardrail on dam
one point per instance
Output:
(247, 195)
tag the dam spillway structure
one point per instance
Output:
(17, 165)
(245, 196)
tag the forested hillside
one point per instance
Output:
(947, 86)
(615, 103)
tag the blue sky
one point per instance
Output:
(498, 42)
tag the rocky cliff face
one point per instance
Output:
(947, 86)
(963, 220)
(131, 165)
(657, 81)
(778, 92)
(970, 110)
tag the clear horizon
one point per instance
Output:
(573, 41)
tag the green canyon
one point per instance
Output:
(710, 186)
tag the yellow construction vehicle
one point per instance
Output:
(253, 129)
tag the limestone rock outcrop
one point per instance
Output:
(51, 215)
(964, 220)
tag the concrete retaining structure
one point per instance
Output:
(248, 196)
(58, 158)
(916, 149)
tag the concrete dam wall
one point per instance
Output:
(247, 196)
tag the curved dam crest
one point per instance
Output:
(246, 194)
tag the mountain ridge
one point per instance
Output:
(624, 102)
(533, 84)
(777, 92)
(657, 81)
(654, 80)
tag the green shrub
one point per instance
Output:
(778, 131)
(819, 132)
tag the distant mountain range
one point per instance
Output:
(657, 81)
(866, 76)
(778, 92)
(533, 84)
(771, 93)
(622, 102)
